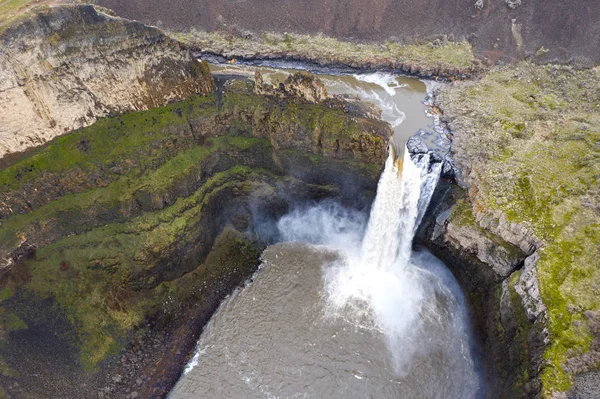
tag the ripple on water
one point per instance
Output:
(274, 338)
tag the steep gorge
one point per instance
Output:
(121, 238)
(115, 241)
(118, 240)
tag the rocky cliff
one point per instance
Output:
(545, 30)
(62, 68)
(111, 264)
(523, 232)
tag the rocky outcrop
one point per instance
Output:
(64, 67)
(502, 285)
(302, 85)
(456, 227)
(513, 146)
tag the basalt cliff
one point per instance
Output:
(521, 226)
(118, 240)
(148, 188)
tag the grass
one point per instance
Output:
(530, 135)
(450, 58)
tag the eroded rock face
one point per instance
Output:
(502, 258)
(524, 185)
(502, 283)
(301, 85)
(65, 67)
(528, 289)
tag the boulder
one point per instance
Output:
(416, 145)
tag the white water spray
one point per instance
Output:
(378, 286)
(388, 238)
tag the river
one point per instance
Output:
(344, 307)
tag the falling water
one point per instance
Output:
(395, 211)
(379, 286)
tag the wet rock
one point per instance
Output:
(435, 157)
(449, 169)
(416, 146)
(440, 224)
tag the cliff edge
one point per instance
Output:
(64, 67)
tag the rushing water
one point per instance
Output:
(344, 307)
(399, 98)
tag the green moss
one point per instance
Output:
(245, 143)
(12, 322)
(91, 275)
(136, 192)
(462, 214)
(6, 293)
(108, 141)
(532, 147)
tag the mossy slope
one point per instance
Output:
(526, 140)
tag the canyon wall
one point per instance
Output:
(522, 231)
(119, 240)
(547, 30)
(62, 68)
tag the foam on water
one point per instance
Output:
(385, 101)
(387, 81)
(377, 284)
(378, 287)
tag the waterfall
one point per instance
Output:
(397, 210)
(378, 286)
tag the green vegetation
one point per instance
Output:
(114, 141)
(324, 130)
(123, 212)
(448, 58)
(10, 9)
(104, 278)
(530, 135)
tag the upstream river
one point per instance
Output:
(343, 307)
